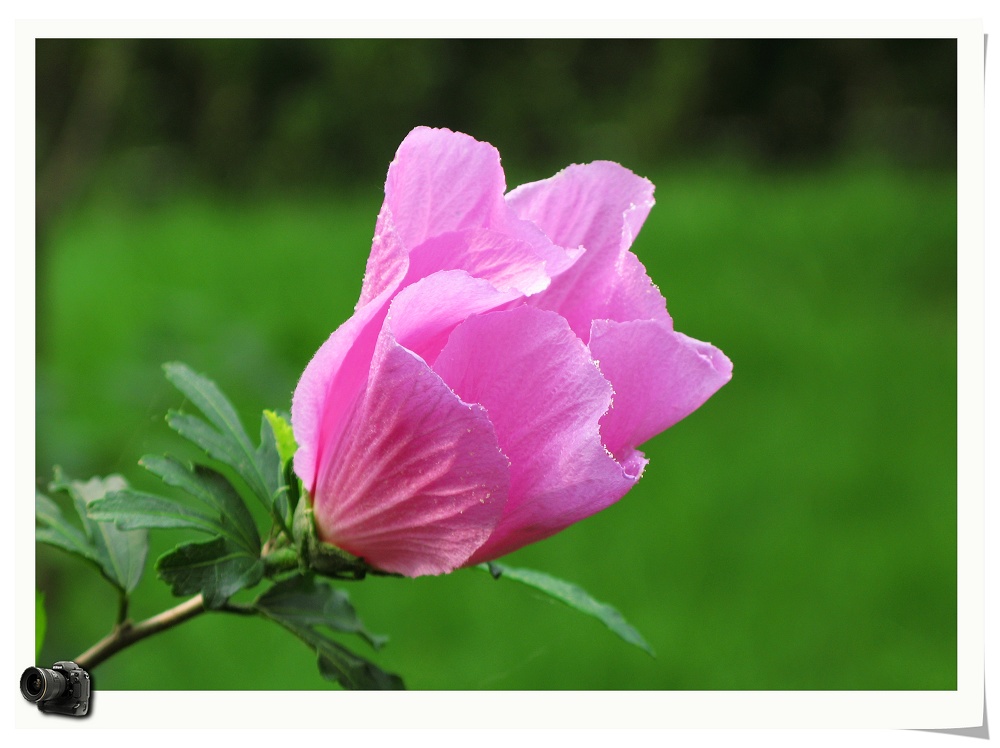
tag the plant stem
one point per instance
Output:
(126, 634)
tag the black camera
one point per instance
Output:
(63, 689)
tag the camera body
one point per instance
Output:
(62, 689)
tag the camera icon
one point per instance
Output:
(62, 689)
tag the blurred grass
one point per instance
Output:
(797, 532)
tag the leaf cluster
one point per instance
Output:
(231, 557)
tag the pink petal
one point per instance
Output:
(337, 373)
(423, 315)
(505, 261)
(417, 482)
(445, 183)
(601, 207)
(387, 262)
(439, 181)
(659, 377)
(545, 398)
(329, 386)
(364, 505)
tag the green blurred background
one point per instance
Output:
(213, 201)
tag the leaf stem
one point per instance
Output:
(122, 609)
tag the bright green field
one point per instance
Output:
(797, 532)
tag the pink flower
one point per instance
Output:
(505, 359)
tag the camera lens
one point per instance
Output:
(42, 684)
(33, 684)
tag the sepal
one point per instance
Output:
(323, 558)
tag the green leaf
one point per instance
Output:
(270, 466)
(342, 666)
(216, 568)
(305, 606)
(215, 491)
(76, 490)
(219, 447)
(305, 601)
(224, 439)
(40, 622)
(573, 596)
(127, 552)
(120, 554)
(284, 437)
(289, 486)
(227, 442)
(267, 456)
(130, 510)
(56, 530)
(207, 397)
